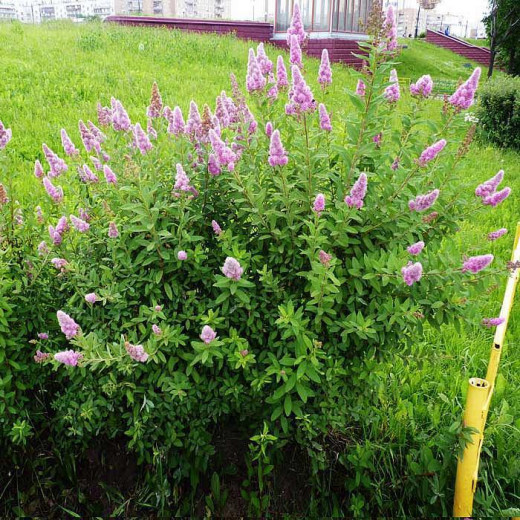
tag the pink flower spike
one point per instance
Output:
(301, 98)
(424, 202)
(431, 152)
(393, 92)
(412, 273)
(254, 79)
(498, 197)
(325, 258)
(282, 80)
(79, 224)
(63, 225)
(325, 72)
(225, 156)
(68, 326)
(38, 169)
(489, 187)
(91, 298)
(110, 176)
(182, 255)
(87, 175)
(216, 228)
(43, 335)
(141, 139)
(68, 145)
(296, 28)
(68, 357)
(156, 330)
(464, 96)
(423, 87)
(277, 154)
(59, 263)
(136, 352)
(357, 193)
(232, 268)
(361, 88)
(208, 334)
(104, 115)
(295, 56)
(265, 64)
(120, 119)
(269, 129)
(43, 248)
(56, 193)
(58, 166)
(324, 118)
(416, 248)
(112, 230)
(5, 135)
(391, 29)
(492, 322)
(194, 123)
(495, 235)
(40, 356)
(477, 263)
(319, 204)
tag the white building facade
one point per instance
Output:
(36, 11)
(205, 9)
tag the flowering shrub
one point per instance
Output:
(204, 270)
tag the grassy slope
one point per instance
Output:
(54, 75)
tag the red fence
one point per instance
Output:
(340, 50)
(481, 55)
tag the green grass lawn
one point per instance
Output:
(53, 75)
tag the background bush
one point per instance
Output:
(499, 112)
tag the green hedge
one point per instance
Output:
(499, 112)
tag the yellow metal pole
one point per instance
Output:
(479, 396)
(467, 467)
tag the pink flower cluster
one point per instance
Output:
(477, 263)
(120, 119)
(295, 53)
(88, 138)
(68, 357)
(56, 193)
(431, 152)
(182, 255)
(68, 145)
(361, 88)
(232, 268)
(91, 298)
(325, 72)
(5, 135)
(487, 190)
(412, 273)
(182, 182)
(416, 248)
(216, 228)
(301, 99)
(57, 165)
(224, 155)
(265, 64)
(495, 235)
(325, 258)
(422, 87)
(393, 92)
(319, 204)
(255, 80)
(59, 263)
(176, 124)
(79, 224)
(208, 334)
(391, 29)
(156, 330)
(464, 96)
(110, 176)
(68, 326)
(296, 27)
(141, 140)
(282, 81)
(325, 123)
(113, 232)
(40, 356)
(492, 322)
(424, 202)
(136, 352)
(277, 154)
(357, 193)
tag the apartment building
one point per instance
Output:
(212, 9)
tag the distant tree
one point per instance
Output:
(503, 29)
